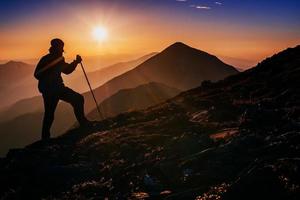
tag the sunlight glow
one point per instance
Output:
(99, 33)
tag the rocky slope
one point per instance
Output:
(238, 138)
(26, 127)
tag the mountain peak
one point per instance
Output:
(182, 48)
(179, 45)
(14, 62)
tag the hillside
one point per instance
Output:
(234, 139)
(24, 129)
(132, 99)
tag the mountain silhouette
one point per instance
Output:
(184, 67)
(234, 139)
(132, 99)
(178, 66)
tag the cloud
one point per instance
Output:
(181, 0)
(201, 7)
(218, 3)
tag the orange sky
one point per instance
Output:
(138, 32)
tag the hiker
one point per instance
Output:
(48, 72)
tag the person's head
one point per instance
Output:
(57, 47)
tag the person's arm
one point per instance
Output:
(69, 68)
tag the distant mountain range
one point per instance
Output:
(24, 79)
(234, 139)
(16, 82)
(15, 71)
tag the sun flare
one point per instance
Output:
(100, 33)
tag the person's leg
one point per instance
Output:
(50, 103)
(77, 101)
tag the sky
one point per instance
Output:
(239, 31)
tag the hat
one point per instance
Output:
(57, 43)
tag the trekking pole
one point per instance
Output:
(87, 80)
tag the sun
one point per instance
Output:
(100, 33)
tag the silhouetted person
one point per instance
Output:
(48, 72)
